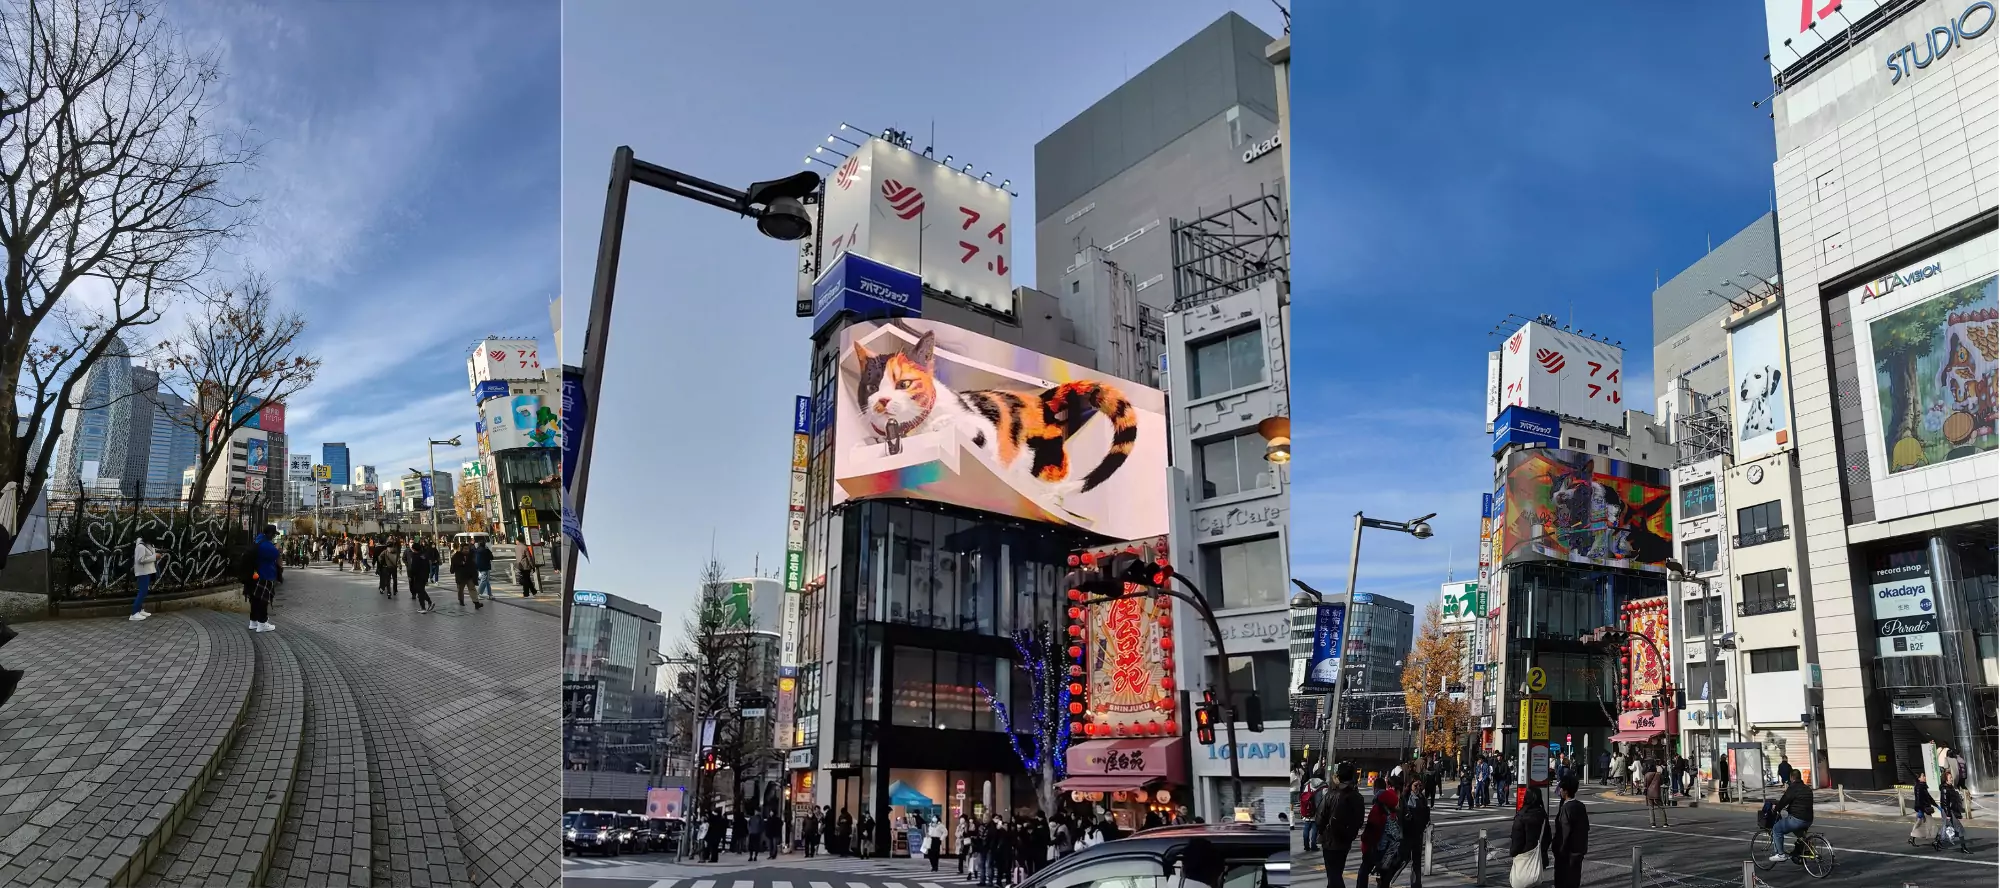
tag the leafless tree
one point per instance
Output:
(728, 658)
(113, 199)
(235, 355)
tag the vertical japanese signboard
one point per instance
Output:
(795, 571)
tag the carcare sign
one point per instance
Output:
(1906, 617)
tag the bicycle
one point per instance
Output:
(1810, 851)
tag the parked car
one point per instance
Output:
(667, 834)
(590, 832)
(1231, 854)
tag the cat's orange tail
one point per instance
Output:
(1115, 406)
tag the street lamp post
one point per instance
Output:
(1307, 597)
(432, 450)
(778, 205)
(1710, 642)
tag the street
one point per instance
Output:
(1700, 847)
(791, 870)
(360, 743)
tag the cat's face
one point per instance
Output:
(897, 386)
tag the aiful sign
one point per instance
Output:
(1975, 21)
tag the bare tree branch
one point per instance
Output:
(111, 176)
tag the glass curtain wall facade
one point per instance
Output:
(1550, 605)
(610, 644)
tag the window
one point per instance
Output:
(1763, 593)
(1075, 286)
(1762, 523)
(1698, 681)
(1604, 449)
(1244, 574)
(1700, 554)
(1697, 499)
(1703, 621)
(1227, 362)
(1234, 465)
(1268, 673)
(1774, 660)
(916, 686)
(1574, 443)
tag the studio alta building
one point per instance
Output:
(1885, 184)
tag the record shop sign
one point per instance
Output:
(1975, 21)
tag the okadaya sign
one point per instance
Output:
(1262, 148)
(1265, 754)
(855, 283)
(1906, 616)
(1975, 21)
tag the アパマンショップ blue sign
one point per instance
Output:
(867, 288)
(1520, 425)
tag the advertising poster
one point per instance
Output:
(1562, 373)
(1126, 678)
(1906, 618)
(1757, 397)
(908, 211)
(1460, 603)
(1935, 367)
(1644, 673)
(271, 417)
(510, 359)
(1485, 541)
(575, 408)
(256, 455)
(1574, 507)
(931, 412)
(1323, 666)
(524, 420)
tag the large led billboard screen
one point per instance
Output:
(931, 412)
(1573, 507)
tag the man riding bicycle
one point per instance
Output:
(1795, 806)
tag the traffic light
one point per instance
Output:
(708, 760)
(1254, 718)
(8, 678)
(1204, 723)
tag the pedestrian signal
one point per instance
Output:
(1204, 723)
(1254, 712)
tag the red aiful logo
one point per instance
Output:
(1551, 360)
(905, 200)
(844, 177)
(497, 355)
(1514, 344)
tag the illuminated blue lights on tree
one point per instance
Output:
(1040, 655)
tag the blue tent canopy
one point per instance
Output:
(901, 794)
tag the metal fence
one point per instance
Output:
(91, 541)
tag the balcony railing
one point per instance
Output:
(1762, 535)
(1768, 606)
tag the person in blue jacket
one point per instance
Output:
(265, 580)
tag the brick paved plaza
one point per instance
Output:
(360, 744)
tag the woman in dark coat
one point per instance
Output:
(1531, 828)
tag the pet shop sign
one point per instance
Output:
(864, 287)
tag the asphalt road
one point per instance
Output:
(1699, 847)
(791, 870)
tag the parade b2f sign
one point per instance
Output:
(908, 211)
(930, 412)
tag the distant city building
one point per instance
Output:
(334, 455)
(363, 476)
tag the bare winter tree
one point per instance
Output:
(112, 199)
(729, 666)
(236, 354)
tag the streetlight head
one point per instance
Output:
(1303, 600)
(1675, 566)
(797, 185)
(1421, 530)
(785, 219)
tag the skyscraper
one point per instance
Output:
(334, 455)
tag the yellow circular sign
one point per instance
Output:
(1537, 678)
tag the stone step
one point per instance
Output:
(414, 841)
(119, 728)
(327, 837)
(227, 838)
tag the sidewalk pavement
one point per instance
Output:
(1856, 804)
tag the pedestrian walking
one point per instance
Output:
(1926, 828)
(432, 553)
(463, 571)
(1784, 770)
(1656, 803)
(524, 574)
(420, 573)
(482, 559)
(811, 831)
(387, 561)
(265, 579)
(934, 842)
(1340, 819)
(145, 563)
(1951, 815)
(1528, 845)
(1381, 834)
(1416, 818)
(755, 824)
(1569, 839)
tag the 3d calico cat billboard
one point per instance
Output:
(1584, 508)
(931, 412)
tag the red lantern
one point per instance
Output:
(1166, 620)
(1076, 706)
(1075, 630)
(1118, 730)
(1167, 682)
(1075, 612)
(1076, 651)
(1153, 726)
(1167, 643)
(1076, 595)
(1072, 561)
(1075, 670)
(1173, 728)
(1076, 688)
(1089, 558)
(1076, 728)
(1167, 663)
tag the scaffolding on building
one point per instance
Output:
(1230, 251)
(1705, 431)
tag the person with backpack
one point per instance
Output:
(420, 573)
(467, 576)
(387, 561)
(1307, 798)
(145, 563)
(524, 574)
(265, 579)
(1416, 818)
(1381, 834)
(1341, 817)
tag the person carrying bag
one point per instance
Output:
(1926, 829)
(1529, 842)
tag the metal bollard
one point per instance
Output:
(1749, 875)
(1479, 868)
(1430, 850)
(1899, 802)
(1638, 868)
(1841, 789)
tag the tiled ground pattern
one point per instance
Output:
(327, 837)
(227, 838)
(130, 740)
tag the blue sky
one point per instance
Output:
(1448, 170)
(693, 434)
(409, 197)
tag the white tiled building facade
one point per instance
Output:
(1881, 170)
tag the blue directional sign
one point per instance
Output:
(1323, 667)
